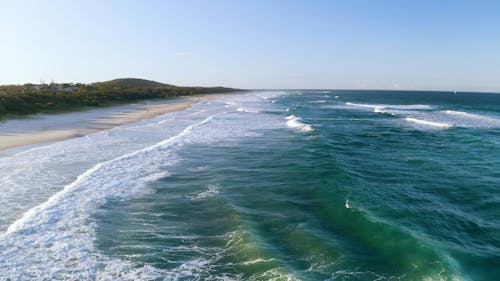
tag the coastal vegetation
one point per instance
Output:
(36, 98)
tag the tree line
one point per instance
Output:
(30, 98)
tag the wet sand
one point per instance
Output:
(113, 118)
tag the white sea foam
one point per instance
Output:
(427, 115)
(381, 110)
(429, 123)
(55, 239)
(469, 115)
(211, 191)
(364, 105)
(53, 231)
(318, 101)
(231, 104)
(469, 120)
(104, 165)
(249, 110)
(294, 122)
(393, 106)
(410, 106)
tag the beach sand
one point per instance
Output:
(114, 118)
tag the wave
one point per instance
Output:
(212, 191)
(249, 110)
(469, 115)
(414, 258)
(393, 106)
(381, 110)
(429, 123)
(470, 120)
(55, 238)
(420, 113)
(377, 108)
(29, 214)
(364, 105)
(294, 122)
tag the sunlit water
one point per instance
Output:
(295, 185)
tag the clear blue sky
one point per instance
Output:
(434, 44)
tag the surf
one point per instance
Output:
(429, 123)
(64, 216)
(294, 122)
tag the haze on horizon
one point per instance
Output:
(361, 44)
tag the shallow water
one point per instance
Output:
(309, 185)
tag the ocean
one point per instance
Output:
(265, 185)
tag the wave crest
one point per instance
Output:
(429, 123)
(294, 122)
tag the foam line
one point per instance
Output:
(59, 233)
(469, 115)
(38, 209)
(392, 106)
(429, 123)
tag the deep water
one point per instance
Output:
(293, 185)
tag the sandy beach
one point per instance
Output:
(115, 117)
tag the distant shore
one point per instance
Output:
(27, 99)
(111, 119)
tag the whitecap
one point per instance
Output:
(471, 120)
(409, 106)
(294, 122)
(248, 110)
(393, 106)
(469, 115)
(212, 191)
(429, 123)
(384, 111)
(364, 105)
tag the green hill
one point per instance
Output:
(132, 82)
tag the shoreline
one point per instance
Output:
(114, 118)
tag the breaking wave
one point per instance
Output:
(294, 122)
(429, 123)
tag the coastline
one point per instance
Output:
(113, 118)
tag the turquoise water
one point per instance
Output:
(294, 185)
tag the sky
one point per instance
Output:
(255, 44)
